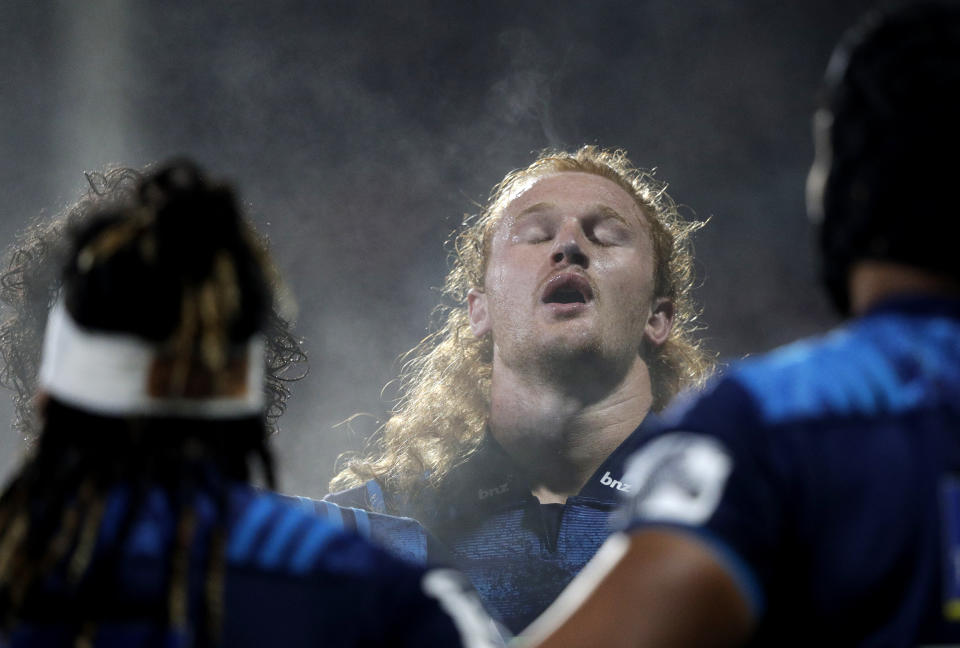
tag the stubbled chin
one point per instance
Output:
(573, 343)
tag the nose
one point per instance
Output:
(568, 251)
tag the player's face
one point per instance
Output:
(570, 271)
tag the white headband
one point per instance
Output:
(108, 374)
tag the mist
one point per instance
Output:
(360, 133)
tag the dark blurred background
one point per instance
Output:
(359, 134)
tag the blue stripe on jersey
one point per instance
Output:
(305, 503)
(332, 512)
(863, 376)
(144, 540)
(270, 555)
(316, 538)
(246, 530)
(877, 369)
(363, 522)
(854, 393)
(116, 504)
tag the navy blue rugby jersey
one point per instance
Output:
(518, 554)
(826, 476)
(292, 578)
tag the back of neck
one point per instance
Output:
(872, 282)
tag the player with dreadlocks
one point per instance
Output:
(31, 283)
(133, 521)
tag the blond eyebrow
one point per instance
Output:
(532, 209)
(603, 211)
(607, 212)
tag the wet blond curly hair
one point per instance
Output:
(441, 413)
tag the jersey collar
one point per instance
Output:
(924, 305)
(606, 484)
(490, 479)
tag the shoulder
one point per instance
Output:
(841, 374)
(280, 548)
(724, 403)
(883, 364)
(860, 370)
(403, 537)
(373, 497)
(275, 533)
(368, 496)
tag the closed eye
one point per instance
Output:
(533, 230)
(609, 232)
(533, 235)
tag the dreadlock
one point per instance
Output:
(179, 268)
(31, 282)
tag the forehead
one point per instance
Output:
(574, 191)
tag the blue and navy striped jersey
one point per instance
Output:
(826, 476)
(292, 578)
(518, 553)
(403, 537)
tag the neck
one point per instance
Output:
(872, 282)
(560, 431)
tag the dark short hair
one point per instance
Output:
(891, 98)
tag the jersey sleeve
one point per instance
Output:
(714, 472)
(296, 578)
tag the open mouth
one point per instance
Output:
(567, 289)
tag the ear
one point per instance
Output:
(477, 312)
(660, 322)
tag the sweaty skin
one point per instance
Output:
(568, 298)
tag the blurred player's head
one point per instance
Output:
(31, 283)
(151, 376)
(445, 384)
(887, 136)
